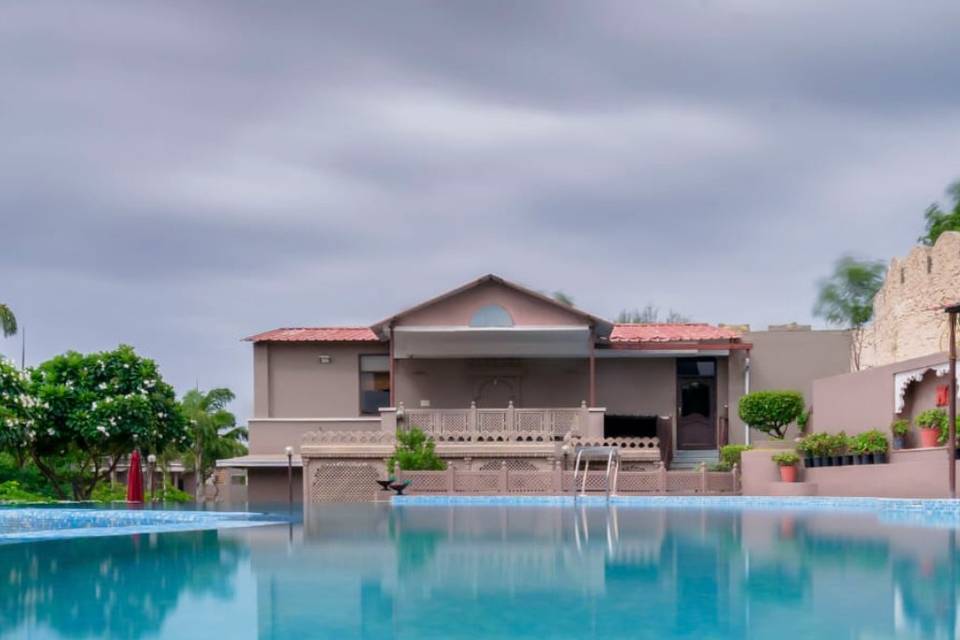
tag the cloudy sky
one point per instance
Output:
(179, 175)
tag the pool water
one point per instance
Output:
(495, 571)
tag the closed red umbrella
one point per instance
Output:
(135, 479)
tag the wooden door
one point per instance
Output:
(696, 414)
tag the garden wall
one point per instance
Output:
(862, 400)
(911, 473)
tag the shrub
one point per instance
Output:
(934, 419)
(771, 412)
(730, 454)
(415, 452)
(118, 493)
(720, 466)
(900, 428)
(105, 492)
(873, 441)
(816, 444)
(839, 444)
(11, 491)
(172, 494)
(786, 458)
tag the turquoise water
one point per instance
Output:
(375, 571)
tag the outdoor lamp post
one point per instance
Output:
(289, 451)
(151, 465)
(952, 312)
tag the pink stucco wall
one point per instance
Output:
(644, 386)
(912, 473)
(863, 400)
(291, 382)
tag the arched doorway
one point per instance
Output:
(496, 392)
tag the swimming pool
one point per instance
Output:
(499, 571)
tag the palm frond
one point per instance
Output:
(8, 321)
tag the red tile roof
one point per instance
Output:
(687, 332)
(317, 334)
(622, 334)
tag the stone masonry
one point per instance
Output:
(906, 323)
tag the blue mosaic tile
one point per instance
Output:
(27, 524)
(929, 512)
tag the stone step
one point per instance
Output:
(686, 460)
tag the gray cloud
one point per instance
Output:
(178, 176)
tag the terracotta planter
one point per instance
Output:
(788, 474)
(928, 437)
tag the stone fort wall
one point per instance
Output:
(906, 323)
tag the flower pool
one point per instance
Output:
(423, 569)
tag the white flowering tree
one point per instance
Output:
(76, 415)
(16, 408)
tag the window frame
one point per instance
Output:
(360, 372)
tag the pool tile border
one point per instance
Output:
(61, 524)
(932, 512)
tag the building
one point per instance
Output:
(500, 375)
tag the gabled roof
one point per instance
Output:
(602, 325)
(667, 332)
(316, 334)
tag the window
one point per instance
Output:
(491, 315)
(699, 367)
(374, 383)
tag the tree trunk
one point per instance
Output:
(198, 470)
(49, 474)
(857, 335)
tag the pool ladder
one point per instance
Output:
(610, 456)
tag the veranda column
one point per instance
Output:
(393, 371)
(592, 391)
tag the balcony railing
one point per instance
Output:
(472, 422)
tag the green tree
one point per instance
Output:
(76, 415)
(937, 220)
(213, 430)
(650, 314)
(8, 321)
(846, 297)
(771, 412)
(415, 451)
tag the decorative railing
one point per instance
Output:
(349, 437)
(451, 424)
(505, 481)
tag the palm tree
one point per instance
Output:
(8, 321)
(215, 432)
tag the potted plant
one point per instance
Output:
(858, 447)
(816, 445)
(932, 423)
(871, 447)
(805, 450)
(900, 429)
(787, 461)
(847, 449)
(837, 448)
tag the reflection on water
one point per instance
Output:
(116, 587)
(372, 571)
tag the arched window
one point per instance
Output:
(491, 315)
